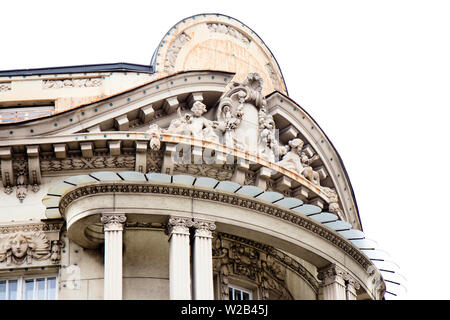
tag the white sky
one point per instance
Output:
(375, 75)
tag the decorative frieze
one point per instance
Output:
(5, 86)
(224, 172)
(238, 260)
(72, 83)
(172, 52)
(229, 30)
(279, 256)
(154, 160)
(80, 163)
(273, 76)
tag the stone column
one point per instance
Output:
(179, 258)
(333, 283)
(352, 285)
(202, 264)
(113, 228)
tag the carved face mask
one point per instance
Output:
(19, 246)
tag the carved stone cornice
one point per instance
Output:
(203, 228)
(31, 227)
(113, 221)
(229, 199)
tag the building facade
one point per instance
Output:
(195, 177)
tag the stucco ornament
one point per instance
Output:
(269, 147)
(237, 115)
(296, 160)
(194, 124)
(21, 186)
(24, 247)
(155, 136)
(237, 260)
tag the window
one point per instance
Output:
(237, 293)
(25, 288)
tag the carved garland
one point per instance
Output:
(281, 258)
(230, 199)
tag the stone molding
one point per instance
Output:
(229, 199)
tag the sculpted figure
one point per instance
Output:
(194, 124)
(269, 147)
(155, 140)
(56, 251)
(296, 160)
(21, 247)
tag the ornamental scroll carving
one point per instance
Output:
(72, 83)
(223, 28)
(22, 247)
(174, 49)
(79, 163)
(243, 122)
(235, 257)
(5, 86)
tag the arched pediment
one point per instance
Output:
(217, 42)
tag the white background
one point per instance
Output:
(375, 75)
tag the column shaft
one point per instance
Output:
(333, 283)
(179, 258)
(113, 228)
(203, 267)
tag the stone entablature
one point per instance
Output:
(179, 191)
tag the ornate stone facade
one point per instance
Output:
(181, 186)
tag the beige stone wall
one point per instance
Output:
(68, 90)
(145, 268)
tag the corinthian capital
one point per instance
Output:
(179, 225)
(204, 228)
(352, 281)
(331, 273)
(113, 221)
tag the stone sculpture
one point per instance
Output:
(24, 247)
(296, 160)
(194, 124)
(155, 133)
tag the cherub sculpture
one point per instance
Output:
(296, 160)
(194, 124)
